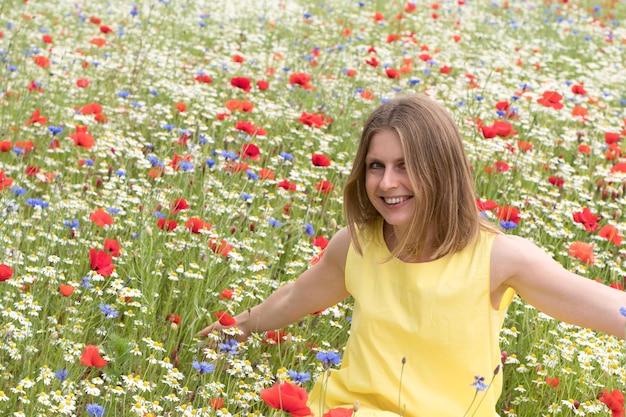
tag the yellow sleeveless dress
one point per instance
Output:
(421, 333)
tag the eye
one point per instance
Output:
(375, 165)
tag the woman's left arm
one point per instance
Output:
(557, 292)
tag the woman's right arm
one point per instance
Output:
(319, 287)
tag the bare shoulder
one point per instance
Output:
(512, 256)
(336, 252)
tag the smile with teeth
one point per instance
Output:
(395, 200)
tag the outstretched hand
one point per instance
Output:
(217, 327)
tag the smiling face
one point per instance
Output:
(387, 181)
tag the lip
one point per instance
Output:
(396, 201)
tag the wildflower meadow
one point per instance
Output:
(168, 163)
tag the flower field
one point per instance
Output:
(168, 163)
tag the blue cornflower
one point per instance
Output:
(72, 224)
(252, 175)
(329, 358)
(17, 190)
(185, 165)
(414, 81)
(210, 162)
(120, 173)
(134, 11)
(160, 215)
(479, 383)
(622, 311)
(95, 410)
(275, 223)
(135, 104)
(36, 202)
(86, 282)
(18, 151)
(61, 374)
(12, 68)
(246, 197)
(309, 230)
(112, 210)
(55, 129)
(203, 367)
(286, 156)
(108, 310)
(155, 161)
(123, 94)
(299, 377)
(508, 225)
(203, 140)
(230, 346)
(154, 92)
(169, 127)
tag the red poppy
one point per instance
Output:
(101, 262)
(486, 205)
(91, 108)
(524, 146)
(5, 181)
(339, 412)
(372, 62)
(222, 248)
(31, 171)
(241, 105)
(324, 186)
(610, 137)
(250, 128)
(179, 205)
(579, 89)
(82, 83)
(25, 145)
(203, 78)
(216, 403)
(266, 174)
(320, 160)
(392, 73)
(584, 148)
(611, 234)
(6, 146)
(553, 382)
(91, 357)
(238, 59)
(225, 319)
(82, 138)
(301, 79)
(226, 294)
(314, 119)
(6, 272)
(274, 337)
(101, 218)
(46, 39)
(262, 85)
(173, 318)
(287, 397)
(95, 20)
(37, 118)
(614, 401)
(250, 150)
(587, 219)
(105, 29)
(287, 185)
(99, 42)
(551, 99)
(445, 69)
(66, 290)
(41, 61)
(320, 241)
(168, 225)
(112, 246)
(241, 82)
(558, 181)
(583, 251)
(180, 106)
(509, 214)
(619, 167)
(196, 225)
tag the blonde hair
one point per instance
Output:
(446, 214)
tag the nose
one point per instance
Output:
(389, 180)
